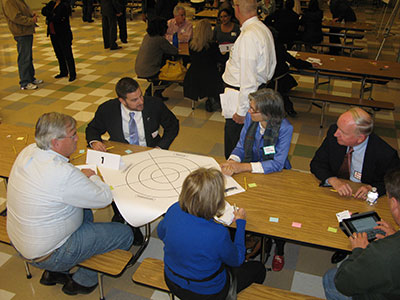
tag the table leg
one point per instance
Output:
(143, 246)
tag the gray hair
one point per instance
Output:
(177, 8)
(51, 126)
(270, 104)
(363, 120)
(247, 7)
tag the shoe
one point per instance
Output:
(115, 48)
(29, 86)
(90, 21)
(137, 236)
(37, 81)
(72, 78)
(209, 105)
(73, 288)
(124, 41)
(278, 262)
(60, 76)
(338, 256)
(51, 278)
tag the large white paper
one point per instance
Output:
(152, 180)
(229, 102)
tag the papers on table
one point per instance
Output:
(313, 60)
(228, 216)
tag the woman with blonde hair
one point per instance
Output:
(203, 79)
(198, 249)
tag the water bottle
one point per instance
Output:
(372, 196)
(175, 41)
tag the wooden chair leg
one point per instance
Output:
(27, 270)
(101, 291)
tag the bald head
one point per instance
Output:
(354, 126)
(245, 9)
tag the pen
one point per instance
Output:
(230, 189)
(333, 190)
(245, 183)
(109, 148)
(15, 150)
(79, 155)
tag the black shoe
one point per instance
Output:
(115, 47)
(72, 78)
(51, 278)
(90, 21)
(209, 107)
(338, 256)
(73, 288)
(60, 75)
(137, 236)
(124, 41)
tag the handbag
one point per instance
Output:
(172, 71)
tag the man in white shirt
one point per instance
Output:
(251, 63)
(49, 201)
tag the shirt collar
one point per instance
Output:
(248, 22)
(362, 145)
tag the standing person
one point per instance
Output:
(203, 71)
(22, 22)
(179, 25)
(49, 202)
(311, 21)
(87, 11)
(57, 13)
(197, 250)
(110, 10)
(251, 63)
(372, 269)
(121, 20)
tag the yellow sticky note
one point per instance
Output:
(331, 229)
(111, 187)
(20, 138)
(251, 185)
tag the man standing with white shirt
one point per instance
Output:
(251, 63)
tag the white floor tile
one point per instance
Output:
(6, 295)
(308, 284)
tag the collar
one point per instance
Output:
(62, 157)
(248, 22)
(362, 145)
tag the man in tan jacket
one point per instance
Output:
(22, 22)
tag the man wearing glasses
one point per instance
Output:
(49, 201)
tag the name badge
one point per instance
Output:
(357, 175)
(269, 150)
(233, 33)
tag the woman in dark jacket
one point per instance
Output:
(312, 23)
(57, 15)
(203, 79)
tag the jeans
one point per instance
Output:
(88, 240)
(328, 281)
(25, 60)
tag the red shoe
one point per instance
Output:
(278, 262)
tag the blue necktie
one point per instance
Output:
(133, 132)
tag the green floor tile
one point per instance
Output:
(95, 84)
(69, 88)
(304, 151)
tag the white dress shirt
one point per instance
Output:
(139, 124)
(46, 196)
(251, 62)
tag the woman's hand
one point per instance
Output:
(227, 169)
(240, 214)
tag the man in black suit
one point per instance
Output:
(113, 117)
(371, 159)
(110, 10)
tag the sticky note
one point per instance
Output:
(128, 151)
(296, 224)
(273, 219)
(20, 138)
(331, 229)
(111, 187)
(81, 151)
(251, 185)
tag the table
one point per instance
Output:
(294, 196)
(207, 13)
(354, 26)
(183, 49)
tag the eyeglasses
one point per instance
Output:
(253, 110)
(69, 137)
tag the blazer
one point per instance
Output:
(379, 158)
(108, 119)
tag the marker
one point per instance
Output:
(245, 183)
(234, 207)
(230, 189)
(79, 155)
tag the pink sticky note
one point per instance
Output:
(296, 224)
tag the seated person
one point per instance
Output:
(263, 146)
(372, 270)
(179, 25)
(152, 52)
(203, 71)
(226, 31)
(49, 202)
(311, 21)
(199, 255)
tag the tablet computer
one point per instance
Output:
(364, 222)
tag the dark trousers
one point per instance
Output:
(246, 274)
(63, 50)
(123, 33)
(109, 24)
(87, 10)
(232, 135)
(334, 40)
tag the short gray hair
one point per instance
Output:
(177, 9)
(51, 126)
(363, 120)
(270, 104)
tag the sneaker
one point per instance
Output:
(29, 86)
(278, 262)
(37, 81)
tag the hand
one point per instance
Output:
(239, 214)
(144, 17)
(98, 146)
(119, 14)
(35, 18)
(343, 189)
(362, 192)
(88, 172)
(386, 227)
(359, 240)
(238, 119)
(226, 169)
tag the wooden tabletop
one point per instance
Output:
(207, 13)
(183, 48)
(355, 26)
(294, 196)
(356, 66)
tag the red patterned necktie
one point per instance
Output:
(344, 171)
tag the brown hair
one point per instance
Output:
(203, 193)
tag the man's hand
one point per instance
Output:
(359, 240)
(238, 119)
(386, 227)
(226, 169)
(235, 167)
(35, 18)
(344, 189)
(88, 172)
(144, 18)
(239, 214)
(362, 192)
(98, 146)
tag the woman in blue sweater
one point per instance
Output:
(197, 249)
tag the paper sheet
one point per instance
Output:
(152, 180)
(228, 215)
(229, 102)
